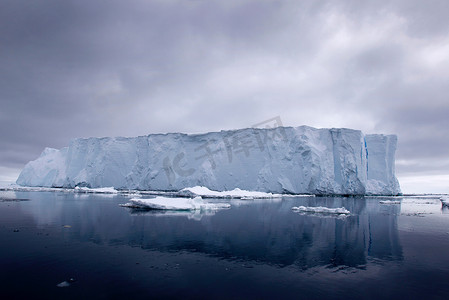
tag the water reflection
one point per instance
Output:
(196, 215)
(444, 207)
(265, 232)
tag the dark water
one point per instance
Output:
(257, 249)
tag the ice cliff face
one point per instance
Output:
(277, 160)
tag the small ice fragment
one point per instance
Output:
(389, 202)
(67, 226)
(321, 210)
(66, 283)
(63, 284)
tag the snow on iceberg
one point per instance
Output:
(321, 210)
(293, 160)
(166, 203)
(235, 193)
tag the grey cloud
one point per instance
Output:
(76, 68)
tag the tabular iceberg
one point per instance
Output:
(277, 160)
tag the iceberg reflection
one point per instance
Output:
(267, 232)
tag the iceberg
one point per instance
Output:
(287, 160)
(166, 203)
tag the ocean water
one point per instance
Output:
(258, 249)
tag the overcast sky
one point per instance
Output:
(125, 68)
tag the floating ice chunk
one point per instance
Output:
(133, 195)
(390, 202)
(321, 210)
(235, 193)
(166, 203)
(66, 283)
(78, 190)
(63, 284)
(17, 188)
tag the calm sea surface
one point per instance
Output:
(257, 249)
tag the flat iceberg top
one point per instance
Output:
(166, 203)
(280, 160)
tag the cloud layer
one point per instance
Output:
(77, 69)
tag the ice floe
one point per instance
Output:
(80, 190)
(166, 203)
(191, 192)
(235, 193)
(66, 283)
